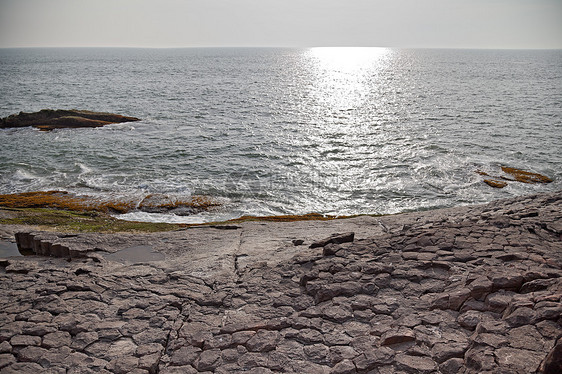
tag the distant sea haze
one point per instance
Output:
(337, 131)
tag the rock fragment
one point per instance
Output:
(334, 239)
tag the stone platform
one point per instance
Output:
(462, 290)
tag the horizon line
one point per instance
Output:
(276, 47)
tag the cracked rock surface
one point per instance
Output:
(461, 290)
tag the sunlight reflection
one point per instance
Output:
(344, 75)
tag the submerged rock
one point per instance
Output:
(495, 183)
(515, 175)
(48, 119)
(526, 176)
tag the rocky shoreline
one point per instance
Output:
(462, 290)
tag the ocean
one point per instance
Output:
(338, 131)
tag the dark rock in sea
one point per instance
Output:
(48, 119)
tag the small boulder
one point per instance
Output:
(334, 239)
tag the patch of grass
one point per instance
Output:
(91, 221)
(74, 221)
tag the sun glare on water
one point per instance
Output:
(345, 75)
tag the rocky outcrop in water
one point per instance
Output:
(48, 119)
(513, 175)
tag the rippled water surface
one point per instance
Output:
(283, 131)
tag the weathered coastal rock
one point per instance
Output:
(513, 175)
(459, 290)
(48, 119)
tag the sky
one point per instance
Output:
(282, 23)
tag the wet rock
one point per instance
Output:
(495, 183)
(48, 119)
(525, 176)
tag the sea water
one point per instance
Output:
(336, 131)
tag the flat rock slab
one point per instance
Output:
(136, 255)
(462, 290)
(8, 249)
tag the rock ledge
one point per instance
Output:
(48, 119)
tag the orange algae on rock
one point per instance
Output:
(43, 199)
(526, 176)
(517, 175)
(67, 201)
(495, 183)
